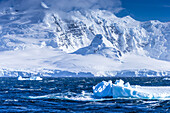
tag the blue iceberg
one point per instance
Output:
(121, 90)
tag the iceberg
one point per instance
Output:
(30, 78)
(35, 78)
(121, 90)
(166, 79)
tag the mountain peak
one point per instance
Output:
(83, 33)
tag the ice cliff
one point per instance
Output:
(80, 43)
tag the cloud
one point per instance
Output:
(68, 5)
(65, 5)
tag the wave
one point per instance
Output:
(86, 97)
(71, 96)
(25, 89)
(106, 91)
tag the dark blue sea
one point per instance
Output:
(74, 95)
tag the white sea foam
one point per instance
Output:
(71, 97)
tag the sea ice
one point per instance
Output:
(121, 90)
(30, 78)
(166, 79)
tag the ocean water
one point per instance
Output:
(74, 94)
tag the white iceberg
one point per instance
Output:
(166, 79)
(35, 78)
(30, 78)
(121, 90)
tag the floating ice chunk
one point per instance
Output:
(119, 82)
(103, 89)
(127, 84)
(166, 79)
(20, 78)
(121, 90)
(35, 78)
(31, 78)
(38, 78)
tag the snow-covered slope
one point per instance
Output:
(80, 43)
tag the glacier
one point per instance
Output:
(91, 42)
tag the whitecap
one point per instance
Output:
(71, 96)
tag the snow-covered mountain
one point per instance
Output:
(80, 43)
